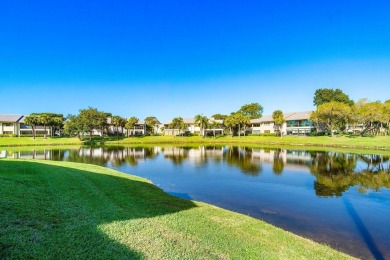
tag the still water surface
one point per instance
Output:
(339, 199)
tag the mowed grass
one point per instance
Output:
(377, 142)
(68, 210)
(23, 141)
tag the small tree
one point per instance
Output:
(131, 124)
(278, 118)
(118, 121)
(177, 123)
(385, 118)
(150, 123)
(332, 114)
(91, 119)
(32, 120)
(202, 122)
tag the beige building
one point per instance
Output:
(14, 125)
(10, 124)
(192, 128)
(297, 123)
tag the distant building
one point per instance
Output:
(192, 128)
(297, 123)
(14, 125)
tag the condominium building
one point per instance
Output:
(191, 127)
(14, 125)
(296, 123)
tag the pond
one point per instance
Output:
(335, 198)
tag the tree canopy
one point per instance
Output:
(252, 110)
(332, 114)
(150, 123)
(325, 95)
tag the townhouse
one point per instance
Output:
(296, 123)
(14, 125)
(191, 127)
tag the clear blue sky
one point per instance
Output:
(181, 58)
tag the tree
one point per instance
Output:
(385, 118)
(236, 122)
(278, 118)
(32, 120)
(90, 119)
(332, 114)
(219, 116)
(177, 123)
(252, 110)
(369, 114)
(72, 126)
(202, 122)
(230, 123)
(214, 124)
(131, 124)
(150, 123)
(56, 121)
(325, 95)
(118, 121)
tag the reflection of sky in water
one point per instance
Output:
(318, 195)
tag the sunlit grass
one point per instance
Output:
(68, 210)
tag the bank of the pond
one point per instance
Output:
(377, 142)
(39, 141)
(373, 143)
(68, 210)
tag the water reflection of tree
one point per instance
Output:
(176, 154)
(242, 158)
(278, 164)
(335, 173)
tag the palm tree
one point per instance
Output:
(117, 121)
(177, 123)
(131, 124)
(214, 124)
(202, 122)
(32, 120)
(278, 118)
(44, 119)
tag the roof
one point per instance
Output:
(10, 118)
(269, 118)
(186, 120)
(287, 117)
(192, 121)
(299, 115)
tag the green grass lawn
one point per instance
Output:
(23, 141)
(378, 142)
(68, 210)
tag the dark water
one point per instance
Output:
(339, 199)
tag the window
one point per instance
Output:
(8, 124)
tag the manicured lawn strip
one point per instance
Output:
(68, 210)
(29, 141)
(379, 142)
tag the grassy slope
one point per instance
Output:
(342, 141)
(380, 142)
(68, 210)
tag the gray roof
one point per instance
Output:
(10, 118)
(299, 115)
(188, 120)
(287, 117)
